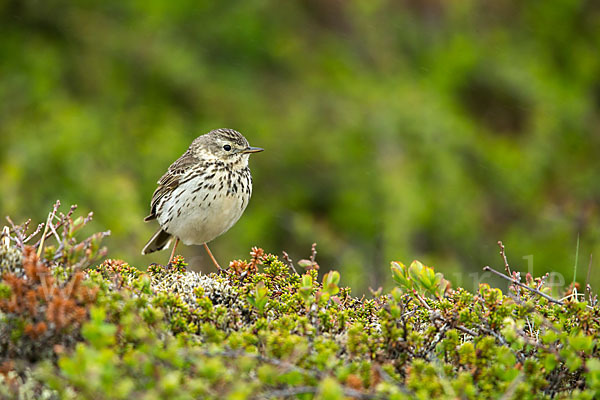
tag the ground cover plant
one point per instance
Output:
(392, 129)
(72, 326)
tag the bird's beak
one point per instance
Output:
(251, 149)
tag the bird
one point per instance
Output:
(203, 193)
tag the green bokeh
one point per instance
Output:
(393, 130)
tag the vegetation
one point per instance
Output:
(267, 328)
(393, 129)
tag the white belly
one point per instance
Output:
(199, 217)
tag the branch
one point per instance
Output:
(289, 262)
(544, 295)
(37, 230)
(48, 221)
(18, 235)
(5, 242)
(503, 254)
(313, 253)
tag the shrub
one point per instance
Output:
(261, 329)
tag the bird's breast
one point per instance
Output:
(204, 207)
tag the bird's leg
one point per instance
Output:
(212, 257)
(173, 252)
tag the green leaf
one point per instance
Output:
(581, 343)
(400, 275)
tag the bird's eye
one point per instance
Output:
(227, 147)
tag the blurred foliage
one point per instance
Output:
(393, 129)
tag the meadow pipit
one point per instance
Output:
(203, 193)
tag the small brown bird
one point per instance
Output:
(203, 193)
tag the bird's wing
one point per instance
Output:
(171, 180)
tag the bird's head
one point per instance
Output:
(226, 145)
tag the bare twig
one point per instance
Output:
(25, 226)
(544, 295)
(313, 253)
(48, 221)
(421, 300)
(289, 262)
(466, 330)
(542, 280)
(592, 299)
(37, 230)
(5, 237)
(71, 211)
(86, 244)
(61, 221)
(516, 282)
(17, 231)
(503, 254)
(482, 328)
(54, 232)
(88, 218)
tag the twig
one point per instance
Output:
(62, 220)
(516, 282)
(542, 280)
(86, 245)
(593, 300)
(544, 295)
(466, 330)
(530, 309)
(25, 226)
(71, 211)
(88, 218)
(502, 341)
(55, 233)
(37, 230)
(18, 236)
(48, 221)
(289, 262)
(503, 254)
(5, 237)
(421, 300)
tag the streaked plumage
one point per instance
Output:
(204, 192)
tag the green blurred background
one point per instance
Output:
(393, 130)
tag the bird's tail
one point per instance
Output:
(159, 241)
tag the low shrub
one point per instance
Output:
(266, 328)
